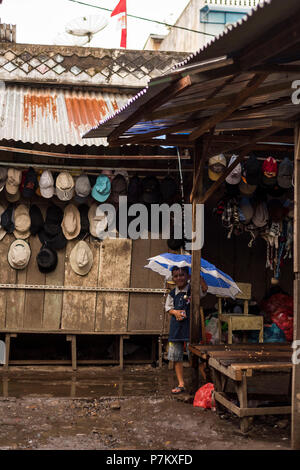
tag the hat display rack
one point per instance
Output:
(58, 204)
(258, 200)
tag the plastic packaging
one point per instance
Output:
(203, 397)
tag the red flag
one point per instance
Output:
(121, 10)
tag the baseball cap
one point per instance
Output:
(102, 188)
(216, 166)
(285, 173)
(235, 176)
(82, 188)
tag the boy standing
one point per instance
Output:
(178, 306)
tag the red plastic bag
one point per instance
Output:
(283, 317)
(277, 301)
(203, 396)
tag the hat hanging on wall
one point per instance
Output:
(235, 176)
(64, 186)
(7, 219)
(269, 173)
(19, 254)
(216, 166)
(12, 184)
(46, 184)
(118, 188)
(71, 222)
(46, 259)
(82, 189)
(102, 188)
(22, 222)
(151, 190)
(252, 170)
(84, 221)
(285, 173)
(37, 220)
(30, 183)
(81, 258)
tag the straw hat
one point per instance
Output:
(64, 186)
(22, 222)
(81, 258)
(46, 184)
(13, 181)
(71, 222)
(19, 254)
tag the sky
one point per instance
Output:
(40, 21)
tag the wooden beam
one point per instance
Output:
(239, 99)
(277, 39)
(90, 157)
(262, 108)
(275, 68)
(295, 434)
(207, 103)
(240, 138)
(166, 94)
(245, 149)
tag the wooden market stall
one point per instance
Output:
(236, 95)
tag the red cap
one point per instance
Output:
(270, 166)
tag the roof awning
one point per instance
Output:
(54, 116)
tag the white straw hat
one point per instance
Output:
(19, 254)
(71, 222)
(81, 258)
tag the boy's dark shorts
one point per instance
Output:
(175, 351)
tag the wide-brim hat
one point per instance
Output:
(102, 188)
(81, 258)
(22, 222)
(246, 188)
(71, 222)
(65, 186)
(84, 221)
(56, 242)
(118, 188)
(46, 259)
(7, 219)
(13, 181)
(19, 254)
(37, 220)
(46, 184)
(12, 197)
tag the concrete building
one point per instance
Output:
(211, 17)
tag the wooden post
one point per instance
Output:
(295, 437)
(121, 352)
(160, 353)
(196, 262)
(72, 338)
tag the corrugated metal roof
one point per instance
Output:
(54, 116)
(228, 44)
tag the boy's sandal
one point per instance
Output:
(178, 390)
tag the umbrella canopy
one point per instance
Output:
(218, 282)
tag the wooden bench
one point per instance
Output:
(239, 363)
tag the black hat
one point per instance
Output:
(134, 190)
(46, 259)
(30, 183)
(118, 188)
(7, 221)
(37, 221)
(151, 190)
(56, 242)
(52, 232)
(84, 221)
(168, 189)
(252, 170)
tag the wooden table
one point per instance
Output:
(236, 364)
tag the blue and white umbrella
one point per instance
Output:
(218, 282)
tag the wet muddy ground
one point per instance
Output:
(104, 408)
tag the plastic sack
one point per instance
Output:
(283, 317)
(276, 302)
(272, 334)
(212, 331)
(279, 310)
(203, 397)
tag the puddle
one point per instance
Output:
(73, 385)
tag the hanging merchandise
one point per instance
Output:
(13, 182)
(36, 220)
(92, 219)
(118, 188)
(84, 221)
(30, 184)
(46, 259)
(134, 190)
(22, 222)
(246, 211)
(71, 222)
(65, 186)
(216, 167)
(285, 173)
(7, 219)
(102, 188)
(46, 184)
(19, 254)
(261, 216)
(269, 173)
(252, 170)
(81, 258)
(231, 217)
(52, 233)
(235, 176)
(82, 189)
(151, 190)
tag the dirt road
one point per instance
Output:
(104, 408)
